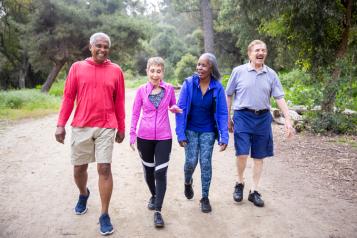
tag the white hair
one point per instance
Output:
(97, 35)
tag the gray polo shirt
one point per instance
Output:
(252, 89)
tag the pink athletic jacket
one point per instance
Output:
(98, 90)
(154, 124)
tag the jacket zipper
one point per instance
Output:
(155, 121)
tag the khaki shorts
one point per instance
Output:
(90, 144)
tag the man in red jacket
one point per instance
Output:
(97, 86)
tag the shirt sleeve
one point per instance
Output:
(119, 103)
(173, 97)
(69, 96)
(232, 83)
(277, 89)
(222, 117)
(181, 117)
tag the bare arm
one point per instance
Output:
(284, 108)
(230, 121)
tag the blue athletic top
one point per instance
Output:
(201, 115)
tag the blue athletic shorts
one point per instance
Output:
(253, 133)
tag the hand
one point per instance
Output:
(183, 143)
(289, 129)
(222, 147)
(60, 134)
(119, 137)
(230, 125)
(175, 109)
(132, 146)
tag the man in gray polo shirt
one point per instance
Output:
(252, 85)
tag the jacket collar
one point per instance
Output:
(150, 86)
(196, 80)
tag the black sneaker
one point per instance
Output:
(188, 190)
(205, 205)
(151, 203)
(238, 192)
(255, 198)
(158, 220)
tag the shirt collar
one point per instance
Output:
(250, 68)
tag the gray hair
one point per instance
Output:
(97, 35)
(213, 61)
(156, 61)
(255, 42)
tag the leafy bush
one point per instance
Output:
(336, 122)
(134, 83)
(19, 103)
(298, 89)
(185, 67)
(57, 88)
(225, 79)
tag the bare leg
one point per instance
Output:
(105, 184)
(241, 164)
(81, 177)
(257, 172)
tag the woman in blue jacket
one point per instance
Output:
(204, 119)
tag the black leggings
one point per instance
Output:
(155, 155)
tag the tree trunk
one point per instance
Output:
(23, 74)
(331, 89)
(52, 76)
(207, 23)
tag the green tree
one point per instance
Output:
(313, 35)
(185, 67)
(59, 32)
(13, 17)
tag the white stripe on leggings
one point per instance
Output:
(148, 164)
(161, 166)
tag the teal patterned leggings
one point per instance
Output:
(199, 147)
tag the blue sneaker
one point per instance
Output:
(106, 227)
(81, 206)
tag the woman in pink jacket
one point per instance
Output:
(153, 137)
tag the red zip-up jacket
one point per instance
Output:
(99, 93)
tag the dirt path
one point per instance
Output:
(304, 195)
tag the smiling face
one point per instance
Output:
(155, 74)
(100, 50)
(204, 68)
(257, 54)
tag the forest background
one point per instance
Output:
(312, 44)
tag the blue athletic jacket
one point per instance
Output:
(220, 113)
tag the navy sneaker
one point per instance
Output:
(81, 206)
(255, 198)
(158, 220)
(106, 227)
(238, 192)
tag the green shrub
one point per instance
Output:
(299, 90)
(185, 67)
(225, 79)
(136, 82)
(19, 103)
(14, 102)
(336, 122)
(57, 88)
